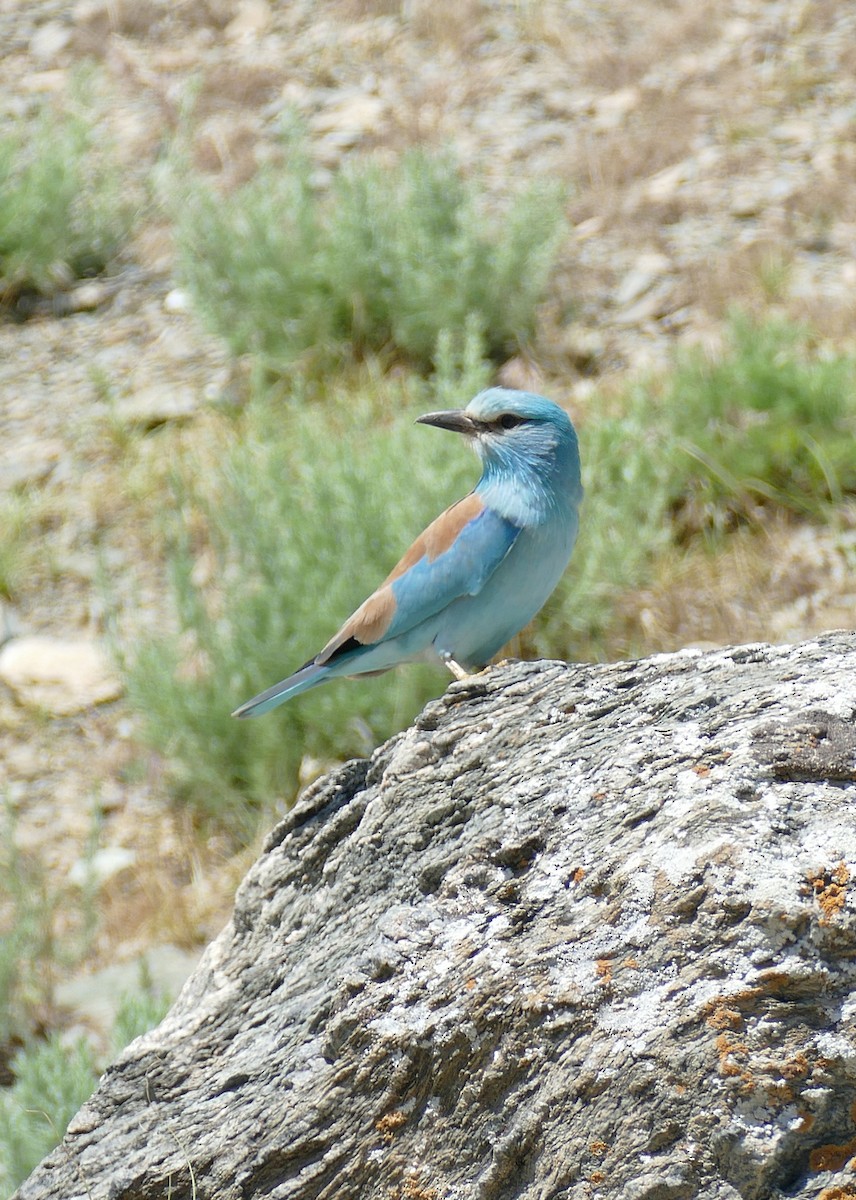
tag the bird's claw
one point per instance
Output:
(457, 670)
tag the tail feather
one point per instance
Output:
(301, 681)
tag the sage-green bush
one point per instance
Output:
(308, 512)
(772, 421)
(62, 215)
(53, 1077)
(389, 256)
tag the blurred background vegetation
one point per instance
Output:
(324, 298)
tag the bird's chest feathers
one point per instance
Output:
(525, 502)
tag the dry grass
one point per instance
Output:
(615, 50)
(766, 584)
(658, 132)
(238, 84)
(751, 277)
(179, 891)
(146, 20)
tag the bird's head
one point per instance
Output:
(526, 443)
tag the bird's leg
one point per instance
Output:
(457, 670)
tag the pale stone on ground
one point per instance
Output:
(63, 677)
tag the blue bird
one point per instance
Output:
(483, 569)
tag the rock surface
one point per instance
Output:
(582, 931)
(61, 677)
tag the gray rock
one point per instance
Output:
(35, 459)
(156, 405)
(49, 40)
(581, 930)
(94, 998)
(656, 302)
(648, 269)
(60, 676)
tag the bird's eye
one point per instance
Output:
(509, 421)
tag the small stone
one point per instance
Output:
(590, 228)
(649, 307)
(666, 183)
(252, 20)
(641, 278)
(101, 866)
(39, 83)
(33, 462)
(350, 118)
(611, 110)
(747, 202)
(177, 301)
(49, 40)
(89, 296)
(153, 406)
(62, 677)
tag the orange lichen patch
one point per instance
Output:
(853, 1112)
(830, 891)
(774, 981)
(470, 984)
(796, 1067)
(845, 1192)
(806, 1120)
(725, 1018)
(737, 1002)
(599, 1148)
(631, 964)
(412, 1189)
(728, 1050)
(831, 1157)
(701, 769)
(578, 875)
(597, 1177)
(389, 1124)
(779, 1092)
(603, 966)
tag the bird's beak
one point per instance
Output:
(451, 418)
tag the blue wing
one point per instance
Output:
(463, 569)
(454, 557)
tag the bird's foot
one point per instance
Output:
(457, 670)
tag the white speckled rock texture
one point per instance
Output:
(582, 931)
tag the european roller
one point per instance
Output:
(483, 569)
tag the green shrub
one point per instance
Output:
(52, 1079)
(61, 215)
(27, 948)
(388, 258)
(770, 422)
(305, 515)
